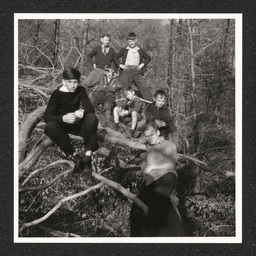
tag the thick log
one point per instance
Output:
(26, 130)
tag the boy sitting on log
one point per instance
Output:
(63, 116)
(131, 106)
(104, 93)
(159, 113)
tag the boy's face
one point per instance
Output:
(105, 40)
(109, 73)
(129, 95)
(159, 100)
(132, 42)
(152, 136)
(71, 84)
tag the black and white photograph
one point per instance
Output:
(128, 128)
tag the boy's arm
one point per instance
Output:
(146, 58)
(115, 59)
(90, 56)
(86, 103)
(51, 113)
(169, 121)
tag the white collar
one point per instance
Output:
(135, 48)
(63, 88)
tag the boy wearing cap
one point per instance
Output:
(104, 93)
(134, 61)
(63, 116)
(99, 57)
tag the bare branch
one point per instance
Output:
(58, 205)
(46, 185)
(45, 167)
(39, 51)
(123, 190)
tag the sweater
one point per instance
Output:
(152, 113)
(100, 59)
(62, 103)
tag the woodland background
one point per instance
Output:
(194, 62)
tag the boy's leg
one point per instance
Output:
(60, 137)
(109, 99)
(94, 77)
(126, 79)
(95, 99)
(141, 84)
(89, 132)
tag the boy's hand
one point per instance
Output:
(140, 66)
(69, 118)
(79, 113)
(160, 123)
(123, 67)
(94, 66)
(148, 169)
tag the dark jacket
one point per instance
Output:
(112, 86)
(152, 113)
(144, 57)
(100, 59)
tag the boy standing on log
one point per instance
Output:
(134, 61)
(63, 116)
(156, 191)
(99, 57)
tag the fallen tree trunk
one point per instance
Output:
(26, 130)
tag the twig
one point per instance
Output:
(45, 167)
(59, 204)
(23, 189)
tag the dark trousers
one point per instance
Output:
(86, 128)
(134, 75)
(105, 98)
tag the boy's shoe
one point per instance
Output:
(87, 166)
(79, 164)
(116, 126)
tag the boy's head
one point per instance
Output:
(105, 39)
(71, 79)
(132, 40)
(109, 71)
(129, 93)
(151, 132)
(159, 98)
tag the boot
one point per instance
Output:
(79, 164)
(87, 166)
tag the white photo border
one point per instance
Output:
(238, 126)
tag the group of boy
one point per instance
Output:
(71, 111)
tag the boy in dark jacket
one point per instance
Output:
(160, 114)
(104, 93)
(134, 60)
(63, 116)
(99, 57)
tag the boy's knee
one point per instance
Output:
(51, 127)
(90, 120)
